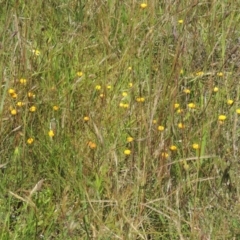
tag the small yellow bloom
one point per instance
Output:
(186, 90)
(130, 68)
(31, 95)
(220, 74)
(109, 87)
(20, 104)
(101, 95)
(140, 99)
(11, 91)
(86, 119)
(14, 112)
(215, 89)
(180, 21)
(130, 139)
(164, 155)
(199, 74)
(176, 105)
(222, 117)
(30, 141)
(92, 145)
(98, 87)
(23, 81)
(238, 111)
(124, 94)
(181, 71)
(160, 128)
(55, 108)
(229, 101)
(125, 105)
(173, 148)
(130, 84)
(79, 74)
(195, 146)
(180, 110)
(191, 105)
(181, 125)
(154, 121)
(51, 133)
(127, 152)
(36, 52)
(32, 108)
(121, 104)
(14, 95)
(143, 5)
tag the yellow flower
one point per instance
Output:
(32, 108)
(181, 125)
(154, 121)
(181, 71)
(109, 87)
(20, 104)
(186, 90)
(222, 117)
(220, 74)
(173, 148)
(31, 95)
(124, 94)
(36, 52)
(130, 84)
(140, 99)
(101, 95)
(98, 87)
(180, 21)
(180, 110)
(51, 133)
(86, 119)
(23, 81)
(160, 128)
(129, 139)
(191, 105)
(238, 111)
(92, 145)
(215, 89)
(55, 108)
(176, 105)
(126, 105)
(14, 112)
(143, 5)
(79, 74)
(14, 95)
(229, 101)
(11, 91)
(164, 155)
(130, 68)
(30, 141)
(127, 152)
(195, 146)
(199, 73)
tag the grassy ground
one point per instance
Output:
(119, 120)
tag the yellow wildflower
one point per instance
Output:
(23, 81)
(181, 125)
(124, 94)
(55, 108)
(129, 139)
(32, 108)
(31, 95)
(79, 74)
(140, 99)
(14, 112)
(220, 74)
(143, 5)
(238, 111)
(160, 128)
(229, 101)
(36, 52)
(215, 89)
(173, 148)
(51, 133)
(86, 119)
(92, 145)
(180, 21)
(30, 141)
(191, 105)
(164, 155)
(14, 95)
(20, 104)
(11, 91)
(222, 117)
(186, 90)
(199, 74)
(98, 87)
(176, 105)
(127, 152)
(130, 84)
(195, 146)
(154, 121)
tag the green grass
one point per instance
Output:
(136, 65)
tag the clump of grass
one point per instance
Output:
(119, 120)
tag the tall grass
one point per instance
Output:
(119, 120)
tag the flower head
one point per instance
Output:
(51, 133)
(164, 155)
(140, 99)
(92, 145)
(55, 108)
(230, 101)
(33, 109)
(176, 105)
(173, 148)
(13, 112)
(180, 21)
(79, 74)
(23, 81)
(127, 152)
(36, 52)
(195, 146)
(191, 105)
(143, 5)
(238, 111)
(160, 128)
(222, 117)
(215, 89)
(30, 140)
(186, 90)
(98, 87)
(130, 139)
(86, 119)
